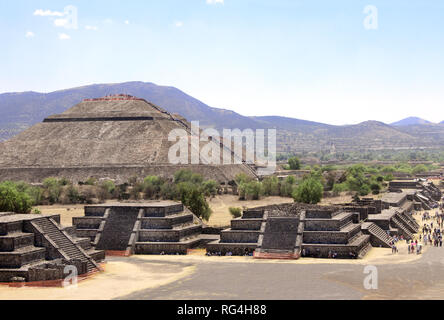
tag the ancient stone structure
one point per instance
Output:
(424, 193)
(288, 231)
(36, 248)
(140, 228)
(115, 137)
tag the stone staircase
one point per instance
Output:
(378, 237)
(117, 229)
(34, 248)
(280, 234)
(402, 230)
(63, 243)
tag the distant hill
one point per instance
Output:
(410, 121)
(19, 111)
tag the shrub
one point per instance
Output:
(287, 186)
(53, 188)
(309, 191)
(242, 178)
(338, 188)
(91, 181)
(294, 163)
(210, 187)
(253, 190)
(235, 212)
(420, 168)
(364, 190)
(271, 186)
(375, 187)
(73, 194)
(109, 186)
(13, 200)
(187, 176)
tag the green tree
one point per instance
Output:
(253, 190)
(294, 163)
(13, 200)
(271, 186)
(54, 189)
(287, 186)
(309, 191)
(420, 168)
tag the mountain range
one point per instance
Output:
(19, 111)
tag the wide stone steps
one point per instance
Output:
(380, 234)
(407, 223)
(65, 244)
(117, 231)
(406, 233)
(413, 221)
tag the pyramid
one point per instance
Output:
(114, 137)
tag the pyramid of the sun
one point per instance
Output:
(115, 137)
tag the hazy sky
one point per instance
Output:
(326, 61)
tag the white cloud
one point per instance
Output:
(92, 28)
(48, 13)
(64, 36)
(178, 24)
(127, 22)
(61, 22)
(29, 34)
(215, 1)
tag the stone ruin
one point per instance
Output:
(425, 194)
(140, 228)
(36, 248)
(290, 231)
(115, 137)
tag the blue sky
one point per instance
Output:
(311, 60)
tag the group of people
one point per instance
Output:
(247, 253)
(432, 233)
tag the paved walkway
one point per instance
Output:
(421, 279)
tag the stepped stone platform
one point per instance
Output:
(425, 194)
(395, 216)
(36, 248)
(140, 228)
(290, 230)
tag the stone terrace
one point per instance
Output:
(37, 248)
(289, 230)
(140, 228)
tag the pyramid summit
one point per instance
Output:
(115, 137)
